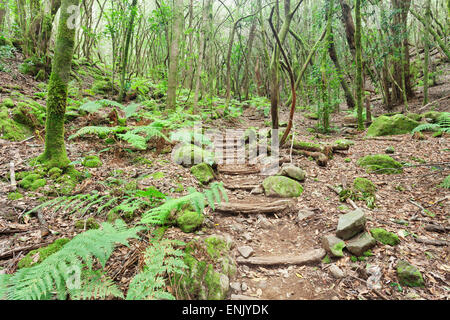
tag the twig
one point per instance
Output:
(373, 289)
(422, 212)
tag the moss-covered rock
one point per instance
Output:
(385, 237)
(203, 173)
(409, 275)
(380, 163)
(390, 150)
(415, 116)
(385, 126)
(190, 154)
(432, 116)
(32, 181)
(189, 221)
(89, 223)
(55, 173)
(37, 256)
(209, 269)
(92, 162)
(293, 172)
(10, 129)
(279, 186)
(365, 186)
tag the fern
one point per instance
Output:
(99, 131)
(445, 183)
(95, 284)
(159, 215)
(442, 124)
(54, 273)
(160, 258)
(95, 106)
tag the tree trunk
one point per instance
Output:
(359, 71)
(55, 154)
(426, 36)
(172, 81)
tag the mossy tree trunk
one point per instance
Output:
(359, 71)
(55, 154)
(426, 36)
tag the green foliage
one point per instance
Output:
(160, 258)
(94, 285)
(56, 274)
(445, 183)
(442, 124)
(160, 215)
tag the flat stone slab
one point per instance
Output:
(361, 244)
(312, 256)
(351, 224)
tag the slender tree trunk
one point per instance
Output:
(426, 36)
(129, 32)
(172, 81)
(245, 82)
(359, 71)
(55, 154)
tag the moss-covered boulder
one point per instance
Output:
(385, 237)
(37, 256)
(409, 275)
(386, 126)
(293, 172)
(279, 186)
(32, 181)
(87, 224)
(10, 129)
(189, 221)
(190, 154)
(431, 116)
(380, 163)
(92, 162)
(209, 268)
(203, 173)
(365, 186)
(415, 116)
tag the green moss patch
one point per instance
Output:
(87, 224)
(37, 256)
(10, 129)
(385, 237)
(280, 186)
(203, 173)
(15, 196)
(189, 221)
(92, 162)
(380, 163)
(386, 126)
(409, 275)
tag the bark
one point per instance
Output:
(172, 81)
(347, 20)
(426, 36)
(55, 154)
(359, 74)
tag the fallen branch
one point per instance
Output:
(432, 227)
(431, 103)
(13, 252)
(433, 242)
(273, 207)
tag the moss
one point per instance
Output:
(312, 116)
(158, 175)
(390, 150)
(15, 196)
(32, 180)
(92, 162)
(37, 256)
(101, 87)
(432, 116)
(132, 185)
(203, 173)
(385, 237)
(10, 129)
(191, 154)
(365, 186)
(415, 116)
(326, 260)
(409, 275)
(8, 103)
(55, 173)
(90, 223)
(189, 221)
(343, 143)
(282, 187)
(380, 163)
(384, 126)
(336, 250)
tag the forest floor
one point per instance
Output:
(398, 197)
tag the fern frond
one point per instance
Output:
(38, 282)
(95, 284)
(426, 127)
(136, 141)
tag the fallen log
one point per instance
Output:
(273, 207)
(433, 242)
(13, 252)
(312, 256)
(320, 158)
(436, 228)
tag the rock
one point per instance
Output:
(264, 223)
(380, 163)
(293, 172)
(304, 214)
(374, 272)
(235, 286)
(409, 275)
(203, 173)
(432, 116)
(237, 227)
(361, 244)
(244, 286)
(245, 251)
(336, 272)
(385, 237)
(390, 150)
(283, 187)
(386, 126)
(333, 245)
(189, 154)
(247, 236)
(351, 224)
